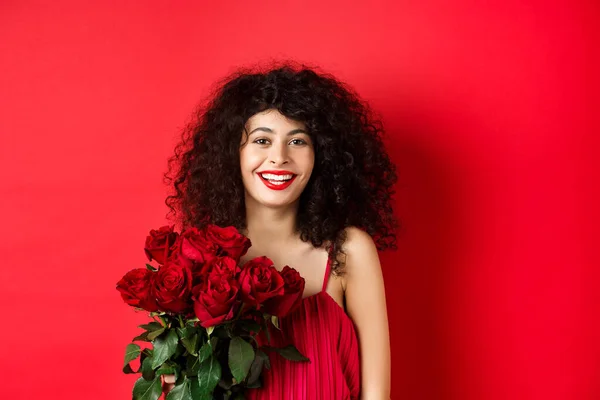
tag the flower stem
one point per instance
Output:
(240, 311)
(163, 321)
(181, 321)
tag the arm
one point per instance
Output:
(366, 305)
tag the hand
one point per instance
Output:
(168, 382)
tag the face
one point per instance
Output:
(276, 158)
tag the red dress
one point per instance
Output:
(323, 332)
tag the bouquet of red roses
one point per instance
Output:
(206, 312)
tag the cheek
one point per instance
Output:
(309, 161)
(248, 162)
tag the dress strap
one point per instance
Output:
(327, 270)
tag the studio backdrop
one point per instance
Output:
(490, 109)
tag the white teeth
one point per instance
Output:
(271, 177)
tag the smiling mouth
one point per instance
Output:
(277, 182)
(277, 179)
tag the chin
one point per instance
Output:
(276, 201)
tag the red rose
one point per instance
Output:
(260, 281)
(222, 266)
(216, 300)
(293, 287)
(233, 244)
(192, 246)
(136, 289)
(158, 243)
(173, 288)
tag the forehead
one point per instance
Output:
(273, 119)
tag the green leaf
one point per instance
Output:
(249, 325)
(182, 332)
(192, 365)
(205, 351)
(197, 393)
(189, 338)
(150, 267)
(147, 390)
(241, 355)
(266, 358)
(128, 370)
(143, 337)
(164, 347)
(166, 369)
(187, 331)
(181, 392)
(148, 352)
(210, 330)
(152, 326)
(226, 382)
(132, 351)
(147, 370)
(209, 375)
(290, 353)
(154, 334)
(190, 344)
(256, 370)
(180, 350)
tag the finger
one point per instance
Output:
(170, 379)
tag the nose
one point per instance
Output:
(278, 154)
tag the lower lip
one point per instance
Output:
(275, 186)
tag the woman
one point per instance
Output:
(294, 159)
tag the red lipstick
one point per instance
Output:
(275, 184)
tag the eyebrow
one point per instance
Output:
(269, 130)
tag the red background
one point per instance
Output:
(490, 109)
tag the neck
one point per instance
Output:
(270, 225)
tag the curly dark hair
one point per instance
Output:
(351, 183)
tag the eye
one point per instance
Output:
(261, 141)
(298, 141)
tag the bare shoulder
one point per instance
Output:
(361, 252)
(357, 240)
